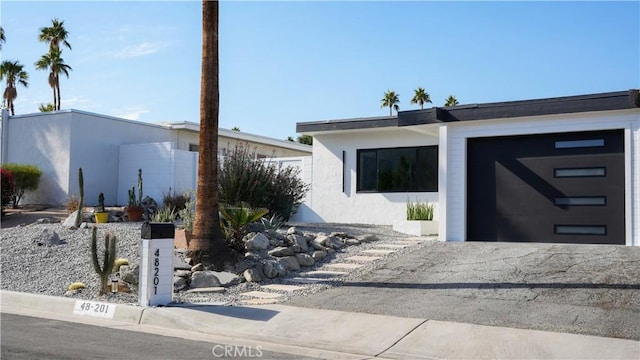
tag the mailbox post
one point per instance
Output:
(156, 264)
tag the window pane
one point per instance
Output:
(580, 230)
(581, 201)
(580, 172)
(579, 143)
(398, 169)
(367, 172)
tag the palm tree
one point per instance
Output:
(2, 38)
(390, 100)
(56, 65)
(420, 97)
(207, 243)
(451, 101)
(55, 34)
(14, 72)
(48, 107)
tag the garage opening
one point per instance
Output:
(551, 188)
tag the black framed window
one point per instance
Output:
(403, 169)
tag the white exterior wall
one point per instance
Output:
(43, 141)
(305, 164)
(454, 140)
(331, 204)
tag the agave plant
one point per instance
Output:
(235, 219)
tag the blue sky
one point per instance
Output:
(287, 62)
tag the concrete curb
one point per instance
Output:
(337, 332)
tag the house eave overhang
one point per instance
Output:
(346, 124)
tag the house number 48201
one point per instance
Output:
(156, 270)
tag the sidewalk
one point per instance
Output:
(337, 334)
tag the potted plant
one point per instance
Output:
(183, 234)
(134, 207)
(419, 220)
(101, 215)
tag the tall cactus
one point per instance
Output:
(140, 186)
(109, 258)
(81, 202)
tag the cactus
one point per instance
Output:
(140, 186)
(118, 263)
(81, 202)
(109, 258)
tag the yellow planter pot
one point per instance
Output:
(102, 217)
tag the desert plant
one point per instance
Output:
(78, 220)
(100, 206)
(175, 201)
(187, 214)
(76, 286)
(25, 178)
(235, 219)
(108, 260)
(273, 223)
(164, 215)
(7, 186)
(119, 262)
(243, 178)
(133, 201)
(419, 210)
(72, 204)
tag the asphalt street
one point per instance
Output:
(582, 289)
(26, 337)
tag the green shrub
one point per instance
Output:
(419, 210)
(164, 215)
(25, 178)
(188, 213)
(243, 178)
(175, 201)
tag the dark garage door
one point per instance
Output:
(560, 188)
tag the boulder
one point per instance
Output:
(290, 263)
(179, 264)
(274, 235)
(257, 242)
(317, 243)
(305, 259)
(281, 251)
(204, 279)
(292, 230)
(227, 279)
(180, 283)
(335, 243)
(318, 255)
(130, 273)
(339, 234)
(367, 238)
(49, 238)
(272, 269)
(299, 240)
(182, 273)
(352, 242)
(253, 275)
(70, 221)
(252, 256)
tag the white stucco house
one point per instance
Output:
(563, 170)
(110, 150)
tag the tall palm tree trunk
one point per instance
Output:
(207, 244)
(58, 91)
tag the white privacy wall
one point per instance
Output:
(455, 137)
(163, 168)
(331, 204)
(305, 165)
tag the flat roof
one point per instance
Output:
(497, 110)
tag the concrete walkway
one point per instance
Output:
(334, 334)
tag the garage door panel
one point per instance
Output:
(526, 188)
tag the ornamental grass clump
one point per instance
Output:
(419, 211)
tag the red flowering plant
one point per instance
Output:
(7, 186)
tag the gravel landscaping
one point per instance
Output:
(30, 265)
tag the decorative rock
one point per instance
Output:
(367, 238)
(84, 225)
(70, 221)
(316, 243)
(352, 242)
(197, 267)
(318, 255)
(71, 292)
(334, 243)
(188, 260)
(305, 260)
(289, 263)
(296, 248)
(272, 269)
(203, 279)
(43, 221)
(227, 279)
(258, 242)
(253, 275)
(330, 251)
(281, 251)
(130, 273)
(48, 238)
(182, 273)
(300, 241)
(274, 235)
(292, 230)
(180, 283)
(179, 264)
(339, 234)
(251, 256)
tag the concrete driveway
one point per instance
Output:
(585, 289)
